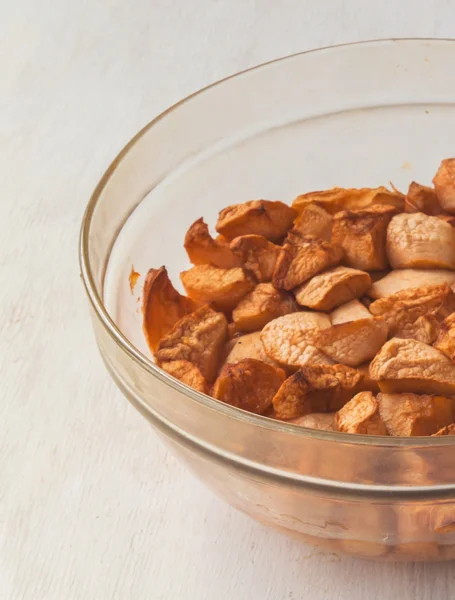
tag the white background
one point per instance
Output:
(92, 506)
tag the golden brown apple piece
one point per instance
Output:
(248, 384)
(403, 279)
(354, 342)
(332, 288)
(271, 219)
(405, 307)
(362, 235)
(187, 373)
(416, 518)
(288, 339)
(418, 551)
(322, 421)
(433, 518)
(202, 249)
(260, 306)
(197, 338)
(321, 388)
(162, 306)
(224, 288)
(421, 198)
(332, 385)
(302, 258)
(247, 346)
(338, 199)
(447, 430)
(360, 415)
(445, 341)
(406, 365)
(415, 414)
(315, 221)
(424, 329)
(366, 523)
(256, 255)
(351, 311)
(292, 399)
(417, 240)
(444, 183)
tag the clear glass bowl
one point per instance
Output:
(355, 115)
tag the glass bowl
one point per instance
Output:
(354, 115)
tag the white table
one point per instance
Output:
(92, 506)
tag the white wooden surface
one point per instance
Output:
(92, 506)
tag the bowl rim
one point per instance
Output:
(126, 346)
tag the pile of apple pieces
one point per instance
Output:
(336, 313)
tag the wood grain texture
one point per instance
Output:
(92, 506)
